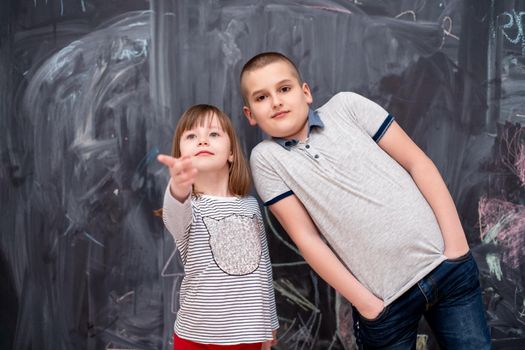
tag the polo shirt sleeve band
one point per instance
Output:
(383, 128)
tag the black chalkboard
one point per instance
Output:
(90, 92)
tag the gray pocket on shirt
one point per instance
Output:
(235, 243)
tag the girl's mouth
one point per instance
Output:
(200, 153)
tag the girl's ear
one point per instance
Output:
(230, 158)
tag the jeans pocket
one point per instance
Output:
(460, 259)
(378, 318)
(458, 276)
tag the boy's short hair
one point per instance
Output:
(262, 60)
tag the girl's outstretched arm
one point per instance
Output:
(176, 210)
(182, 175)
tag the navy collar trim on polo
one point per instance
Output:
(313, 121)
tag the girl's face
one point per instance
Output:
(208, 145)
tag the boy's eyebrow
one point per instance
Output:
(278, 83)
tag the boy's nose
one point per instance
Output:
(276, 102)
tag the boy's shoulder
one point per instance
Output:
(344, 95)
(264, 147)
(339, 98)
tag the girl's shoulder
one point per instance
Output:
(207, 202)
(250, 200)
(200, 197)
(204, 200)
(212, 198)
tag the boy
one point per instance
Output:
(397, 250)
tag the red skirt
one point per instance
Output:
(183, 344)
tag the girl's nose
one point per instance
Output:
(203, 141)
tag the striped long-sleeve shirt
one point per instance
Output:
(227, 294)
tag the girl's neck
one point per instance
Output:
(213, 183)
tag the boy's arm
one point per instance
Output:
(294, 218)
(427, 178)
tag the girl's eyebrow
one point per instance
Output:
(209, 126)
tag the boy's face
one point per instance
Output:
(276, 101)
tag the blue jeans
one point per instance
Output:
(449, 298)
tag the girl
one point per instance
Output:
(226, 299)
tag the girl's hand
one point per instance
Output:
(267, 345)
(182, 175)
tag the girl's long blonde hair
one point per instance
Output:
(239, 181)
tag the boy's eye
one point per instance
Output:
(260, 98)
(285, 89)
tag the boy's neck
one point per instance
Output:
(300, 136)
(303, 135)
(313, 120)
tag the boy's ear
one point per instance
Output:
(249, 116)
(307, 93)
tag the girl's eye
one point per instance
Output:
(190, 136)
(214, 134)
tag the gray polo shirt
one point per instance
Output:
(363, 202)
